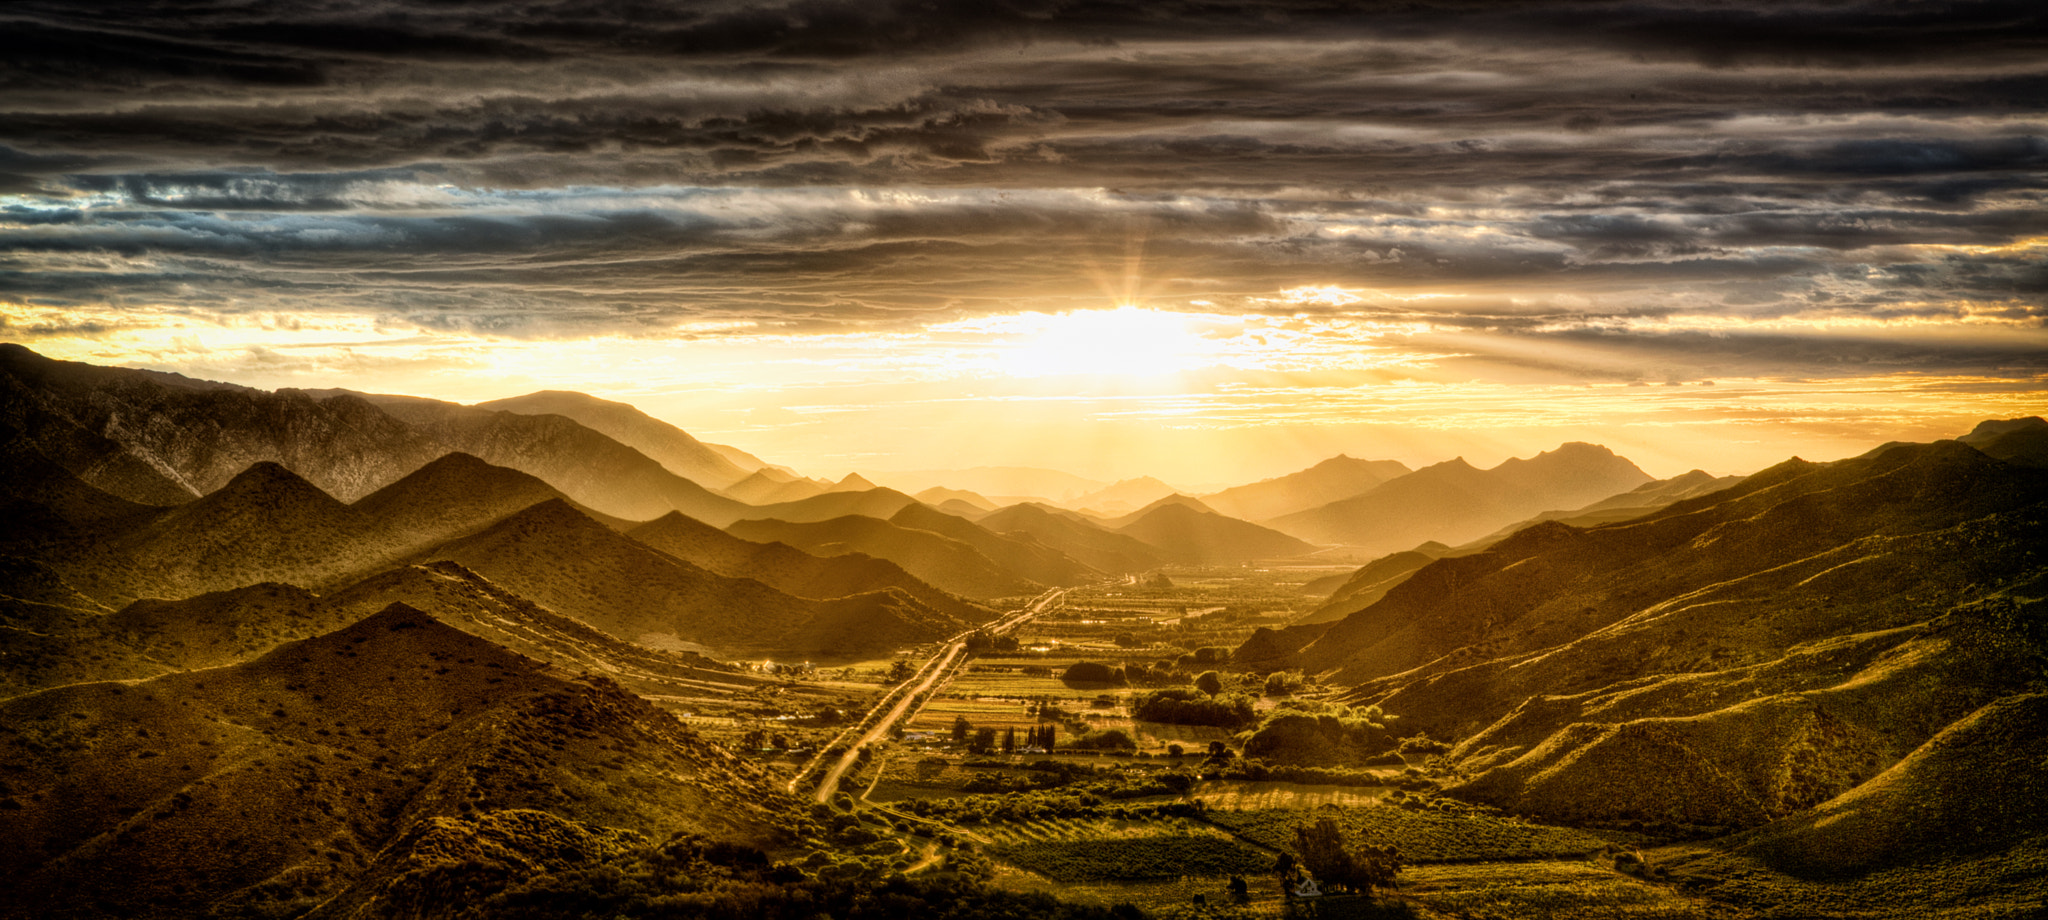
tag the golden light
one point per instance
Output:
(1126, 341)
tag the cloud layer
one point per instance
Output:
(1589, 190)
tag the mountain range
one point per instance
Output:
(1454, 502)
(331, 654)
(1335, 479)
(713, 466)
(1731, 660)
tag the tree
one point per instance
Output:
(984, 740)
(961, 728)
(1209, 682)
(1091, 672)
(1325, 852)
(900, 670)
(1010, 740)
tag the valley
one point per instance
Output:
(330, 654)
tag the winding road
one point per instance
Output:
(909, 696)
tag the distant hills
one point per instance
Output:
(1730, 660)
(2021, 440)
(1085, 541)
(1183, 532)
(1007, 484)
(1337, 478)
(942, 561)
(268, 525)
(560, 557)
(794, 571)
(1121, 497)
(705, 464)
(1453, 502)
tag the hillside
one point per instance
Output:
(266, 524)
(560, 558)
(1727, 661)
(1121, 497)
(37, 487)
(766, 487)
(1185, 501)
(1088, 543)
(199, 434)
(347, 444)
(938, 496)
(793, 571)
(594, 470)
(874, 503)
(454, 495)
(996, 482)
(1184, 534)
(940, 561)
(74, 644)
(568, 562)
(2023, 441)
(1024, 556)
(1371, 582)
(1337, 478)
(675, 449)
(269, 525)
(268, 786)
(1454, 503)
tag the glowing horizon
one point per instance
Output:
(1213, 247)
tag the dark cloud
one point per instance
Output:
(556, 168)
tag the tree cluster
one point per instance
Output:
(1326, 853)
(1187, 706)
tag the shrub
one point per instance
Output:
(1114, 739)
(1091, 672)
(1423, 744)
(1325, 852)
(1294, 737)
(1283, 683)
(1183, 706)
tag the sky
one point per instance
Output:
(1208, 242)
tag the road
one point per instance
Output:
(905, 702)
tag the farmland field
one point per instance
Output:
(1136, 858)
(1425, 836)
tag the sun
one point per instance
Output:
(1126, 341)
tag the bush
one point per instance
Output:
(1295, 737)
(1183, 706)
(1284, 683)
(1424, 745)
(1114, 739)
(1091, 672)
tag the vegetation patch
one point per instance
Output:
(1422, 836)
(1135, 858)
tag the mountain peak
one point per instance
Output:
(272, 482)
(554, 512)
(1990, 429)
